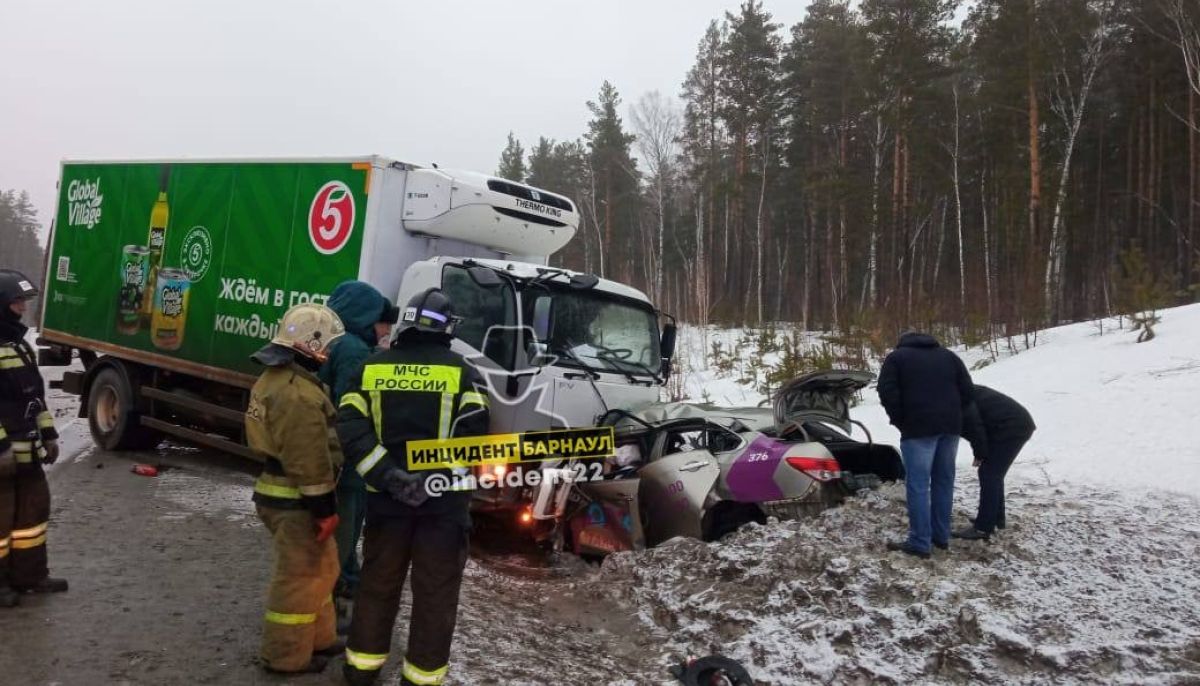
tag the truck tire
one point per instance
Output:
(112, 414)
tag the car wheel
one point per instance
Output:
(725, 518)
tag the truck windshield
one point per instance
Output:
(602, 332)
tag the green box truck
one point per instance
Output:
(165, 276)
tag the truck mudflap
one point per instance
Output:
(72, 382)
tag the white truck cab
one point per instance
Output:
(559, 348)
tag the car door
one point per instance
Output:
(673, 491)
(623, 493)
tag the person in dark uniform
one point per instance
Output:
(997, 427)
(27, 440)
(417, 390)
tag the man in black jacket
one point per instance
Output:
(997, 428)
(924, 389)
(418, 390)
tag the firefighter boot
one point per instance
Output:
(47, 585)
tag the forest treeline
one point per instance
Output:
(20, 248)
(884, 165)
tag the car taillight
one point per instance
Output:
(526, 516)
(819, 468)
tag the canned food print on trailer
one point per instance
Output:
(170, 309)
(135, 268)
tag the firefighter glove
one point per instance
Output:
(405, 487)
(8, 463)
(51, 452)
(325, 527)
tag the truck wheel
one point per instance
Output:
(111, 415)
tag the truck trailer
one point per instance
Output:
(165, 276)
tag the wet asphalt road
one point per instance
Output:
(167, 577)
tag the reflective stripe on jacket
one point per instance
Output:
(290, 421)
(24, 420)
(419, 389)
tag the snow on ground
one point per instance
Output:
(1094, 581)
(1110, 411)
(1084, 587)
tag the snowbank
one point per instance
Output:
(1084, 587)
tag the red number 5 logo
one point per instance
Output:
(331, 217)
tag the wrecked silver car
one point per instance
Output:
(701, 471)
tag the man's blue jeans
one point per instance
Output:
(929, 486)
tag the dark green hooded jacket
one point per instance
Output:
(359, 305)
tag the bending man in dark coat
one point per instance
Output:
(925, 388)
(997, 428)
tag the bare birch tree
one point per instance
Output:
(656, 121)
(1074, 75)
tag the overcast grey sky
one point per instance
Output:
(434, 81)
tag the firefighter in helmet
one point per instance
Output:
(289, 421)
(27, 439)
(419, 389)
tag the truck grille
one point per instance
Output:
(526, 193)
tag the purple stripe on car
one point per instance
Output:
(751, 478)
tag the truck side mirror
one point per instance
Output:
(484, 277)
(667, 344)
(539, 355)
(666, 347)
(543, 312)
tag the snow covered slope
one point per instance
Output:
(1110, 411)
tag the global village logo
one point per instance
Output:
(85, 203)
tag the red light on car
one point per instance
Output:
(526, 516)
(819, 468)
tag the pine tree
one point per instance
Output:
(20, 248)
(615, 183)
(702, 141)
(750, 91)
(512, 161)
